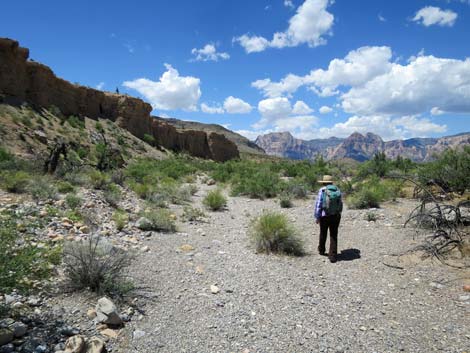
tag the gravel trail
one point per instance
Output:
(269, 303)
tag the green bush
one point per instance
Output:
(149, 139)
(272, 233)
(215, 200)
(192, 214)
(21, 262)
(76, 122)
(372, 192)
(64, 187)
(73, 201)
(296, 189)
(261, 184)
(371, 217)
(112, 195)
(15, 181)
(41, 188)
(364, 199)
(158, 220)
(99, 180)
(120, 218)
(97, 265)
(285, 201)
(449, 171)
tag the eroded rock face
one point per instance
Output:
(28, 81)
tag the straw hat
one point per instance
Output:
(327, 179)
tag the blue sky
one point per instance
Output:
(316, 68)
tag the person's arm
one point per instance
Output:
(318, 206)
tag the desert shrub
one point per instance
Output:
(118, 177)
(97, 265)
(215, 200)
(142, 190)
(98, 180)
(190, 179)
(14, 181)
(193, 189)
(152, 171)
(74, 215)
(285, 201)
(73, 201)
(76, 178)
(149, 139)
(21, 262)
(192, 214)
(158, 200)
(364, 198)
(64, 187)
(372, 192)
(296, 188)
(41, 188)
(120, 218)
(261, 184)
(159, 219)
(272, 233)
(449, 171)
(112, 195)
(76, 122)
(371, 217)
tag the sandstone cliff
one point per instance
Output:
(27, 81)
(244, 145)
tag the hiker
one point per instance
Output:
(328, 209)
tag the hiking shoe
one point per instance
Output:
(322, 253)
(333, 259)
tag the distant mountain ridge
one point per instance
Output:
(357, 146)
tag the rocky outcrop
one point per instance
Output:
(283, 144)
(358, 147)
(244, 145)
(28, 81)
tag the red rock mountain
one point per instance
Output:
(22, 80)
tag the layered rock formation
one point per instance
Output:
(28, 81)
(283, 144)
(244, 145)
(358, 147)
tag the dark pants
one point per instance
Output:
(331, 223)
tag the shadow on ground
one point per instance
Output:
(349, 255)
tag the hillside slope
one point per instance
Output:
(28, 81)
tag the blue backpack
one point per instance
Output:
(332, 203)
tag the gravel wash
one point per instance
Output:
(213, 293)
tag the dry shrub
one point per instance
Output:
(97, 265)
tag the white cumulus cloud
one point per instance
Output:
(208, 53)
(301, 108)
(211, 110)
(325, 109)
(100, 86)
(424, 83)
(431, 15)
(234, 105)
(308, 26)
(170, 92)
(357, 67)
